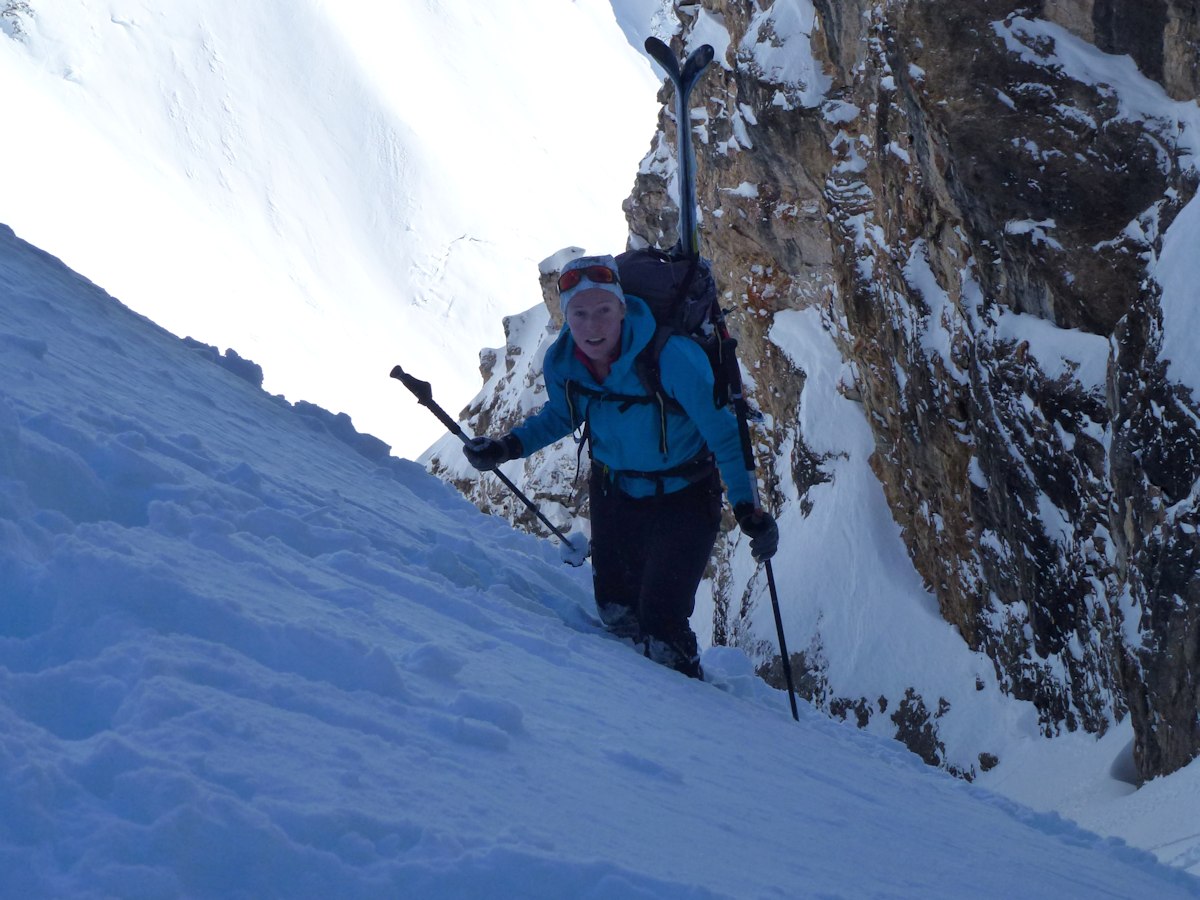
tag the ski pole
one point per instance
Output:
(685, 78)
(741, 407)
(423, 391)
(783, 650)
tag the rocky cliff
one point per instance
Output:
(976, 197)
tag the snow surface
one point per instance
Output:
(243, 653)
(1177, 270)
(778, 42)
(330, 187)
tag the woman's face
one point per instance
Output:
(595, 317)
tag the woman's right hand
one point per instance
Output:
(485, 453)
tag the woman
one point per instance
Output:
(654, 489)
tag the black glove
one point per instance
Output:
(758, 525)
(485, 453)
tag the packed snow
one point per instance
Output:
(245, 652)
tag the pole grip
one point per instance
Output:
(423, 391)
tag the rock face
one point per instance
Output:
(974, 197)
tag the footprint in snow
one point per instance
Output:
(645, 766)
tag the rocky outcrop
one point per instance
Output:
(973, 184)
(974, 197)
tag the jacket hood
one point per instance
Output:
(637, 330)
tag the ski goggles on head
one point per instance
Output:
(595, 274)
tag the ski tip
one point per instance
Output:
(655, 47)
(696, 63)
(662, 55)
(397, 373)
(693, 65)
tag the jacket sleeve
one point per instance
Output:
(687, 377)
(550, 423)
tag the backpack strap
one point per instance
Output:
(626, 400)
(585, 436)
(649, 378)
(648, 366)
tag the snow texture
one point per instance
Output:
(778, 48)
(364, 183)
(240, 657)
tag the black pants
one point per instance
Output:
(648, 557)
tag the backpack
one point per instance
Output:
(682, 294)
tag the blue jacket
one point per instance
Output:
(627, 436)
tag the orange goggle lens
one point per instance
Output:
(595, 274)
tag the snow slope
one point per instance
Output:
(245, 653)
(332, 188)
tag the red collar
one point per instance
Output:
(591, 366)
